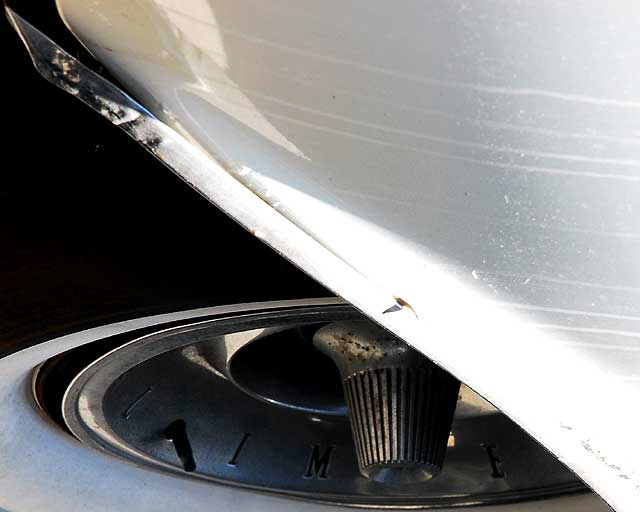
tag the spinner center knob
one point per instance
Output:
(401, 404)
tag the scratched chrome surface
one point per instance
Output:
(480, 161)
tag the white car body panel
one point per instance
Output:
(479, 163)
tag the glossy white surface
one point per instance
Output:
(478, 160)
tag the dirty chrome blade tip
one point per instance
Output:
(51, 61)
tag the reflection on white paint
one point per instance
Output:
(198, 29)
(179, 49)
(453, 155)
(198, 34)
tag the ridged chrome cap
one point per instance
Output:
(401, 404)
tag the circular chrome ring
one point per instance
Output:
(169, 400)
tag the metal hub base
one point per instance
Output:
(170, 400)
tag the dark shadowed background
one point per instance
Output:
(93, 229)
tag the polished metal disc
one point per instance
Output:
(245, 399)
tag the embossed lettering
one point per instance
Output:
(129, 410)
(497, 471)
(318, 464)
(177, 434)
(234, 460)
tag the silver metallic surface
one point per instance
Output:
(157, 401)
(476, 160)
(401, 405)
(46, 469)
(495, 333)
(291, 374)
